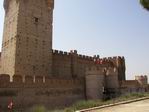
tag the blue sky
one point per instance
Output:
(103, 27)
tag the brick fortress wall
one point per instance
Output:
(65, 85)
(28, 91)
(72, 64)
(27, 50)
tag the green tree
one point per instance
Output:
(145, 4)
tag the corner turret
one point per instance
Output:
(143, 80)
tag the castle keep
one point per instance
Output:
(27, 39)
(31, 69)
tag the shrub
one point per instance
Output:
(39, 109)
(86, 104)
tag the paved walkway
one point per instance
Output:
(140, 106)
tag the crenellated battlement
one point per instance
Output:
(113, 58)
(62, 53)
(50, 92)
(71, 53)
(50, 4)
(37, 81)
(85, 57)
(113, 61)
(95, 58)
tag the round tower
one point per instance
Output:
(121, 67)
(112, 78)
(95, 79)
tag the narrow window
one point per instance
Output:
(36, 19)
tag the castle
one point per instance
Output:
(30, 69)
